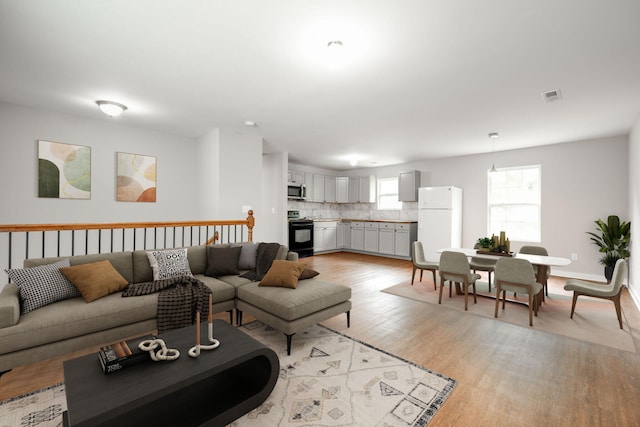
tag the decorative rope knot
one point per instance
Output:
(163, 353)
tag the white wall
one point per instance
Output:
(273, 220)
(634, 201)
(21, 128)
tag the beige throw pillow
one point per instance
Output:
(283, 273)
(95, 279)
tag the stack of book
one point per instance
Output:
(121, 354)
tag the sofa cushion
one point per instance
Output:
(95, 280)
(169, 263)
(248, 255)
(221, 291)
(42, 285)
(222, 261)
(283, 273)
(309, 297)
(121, 261)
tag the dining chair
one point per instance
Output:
(483, 264)
(537, 250)
(420, 263)
(517, 275)
(611, 291)
(454, 268)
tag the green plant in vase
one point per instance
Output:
(485, 243)
(613, 239)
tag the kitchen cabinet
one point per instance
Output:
(318, 188)
(386, 238)
(325, 236)
(342, 189)
(371, 236)
(308, 182)
(362, 189)
(295, 177)
(330, 189)
(357, 236)
(344, 235)
(408, 184)
(405, 235)
(354, 189)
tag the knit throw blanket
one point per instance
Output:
(265, 255)
(179, 299)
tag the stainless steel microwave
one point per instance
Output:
(296, 191)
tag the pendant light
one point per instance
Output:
(493, 136)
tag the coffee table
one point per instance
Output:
(214, 389)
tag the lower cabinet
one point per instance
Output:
(357, 236)
(344, 235)
(325, 236)
(371, 236)
(386, 239)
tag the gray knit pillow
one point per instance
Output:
(42, 285)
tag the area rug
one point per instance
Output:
(594, 321)
(329, 380)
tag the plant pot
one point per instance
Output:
(608, 273)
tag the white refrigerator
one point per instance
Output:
(439, 219)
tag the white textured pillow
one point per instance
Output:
(42, 285)
(169, 263)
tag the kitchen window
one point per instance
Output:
(388, 194)
(514, 203)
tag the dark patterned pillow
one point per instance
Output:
(169, 263)
(42, 285)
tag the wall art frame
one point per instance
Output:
(135, 177)
(64, 170)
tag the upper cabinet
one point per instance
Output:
(318, 189)
(408, 184)
(342, 189)
(295, 177)
(366, 189)
(332, 189)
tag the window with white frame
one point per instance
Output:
(388, 194)
(514, 203)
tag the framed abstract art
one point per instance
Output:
(136, 178)
(64, 170)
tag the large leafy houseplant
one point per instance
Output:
(613, 238)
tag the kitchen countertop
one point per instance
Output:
(396, 221)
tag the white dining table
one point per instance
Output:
(543, 262)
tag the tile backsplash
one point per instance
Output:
(361, 211)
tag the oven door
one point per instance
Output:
(301, 237)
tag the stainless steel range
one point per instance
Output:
(300, 234)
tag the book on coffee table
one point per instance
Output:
(122, 354)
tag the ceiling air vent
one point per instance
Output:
(552, 95)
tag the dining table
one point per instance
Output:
(542, 262)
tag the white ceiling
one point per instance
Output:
(418, 80)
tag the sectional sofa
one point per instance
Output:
(72, 324)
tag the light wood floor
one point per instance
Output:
(508, 375)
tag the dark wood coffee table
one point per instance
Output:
(214, 389)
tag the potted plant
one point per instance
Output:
(613, 240)
(485, 243)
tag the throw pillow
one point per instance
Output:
(222, 261)
(95, 279)
(42, 285)
(248, 256)
(283, 273)
(307, 273)
(169, 263)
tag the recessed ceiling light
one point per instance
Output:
(552, 95)
(110, 108)
(250, 124)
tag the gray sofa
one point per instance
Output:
(73, 324)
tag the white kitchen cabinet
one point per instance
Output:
(330, 189)
(318, 188)
(405, 235)
(308, 182)
(342, 189)
(354, 189)
(367, 189)
(357, 236)
(344, 235)
(325, 236)
(386, 238)
(295, 177)
(408, 184)
(371, 236)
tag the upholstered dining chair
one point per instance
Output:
(483, 264)
(454, 268)
(611, 291)
(537, 250)
(517, 275)
(420, 263)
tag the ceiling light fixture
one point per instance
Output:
(493, 136)
(353, 162)
(335, 44)
(250, 124)
(110, 108)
